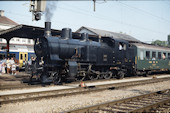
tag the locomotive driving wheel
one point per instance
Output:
(56, 78)
(108, 75)
(120, 74)
(93, 76)
(101, 76)
(81, 78)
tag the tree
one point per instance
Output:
(160, 43)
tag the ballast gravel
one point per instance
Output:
(66, 103)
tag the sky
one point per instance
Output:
(145, 20)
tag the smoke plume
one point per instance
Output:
(49, 11)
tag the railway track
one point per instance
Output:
(17, 86)
(37, 84)
(11, 98)
(152, 102)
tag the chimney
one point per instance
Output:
(1, 12)
(47, 32)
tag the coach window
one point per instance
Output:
(21, 56)
(168, 55)
(2, 56)
(153, 55)
(12, 55)
(17, 40)
(25, 56)
(164, 55)
(141, 55)
(148, 54)
(159, 55)
(29, 41)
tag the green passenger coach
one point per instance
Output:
(150, 58)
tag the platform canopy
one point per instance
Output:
(25, 31)
(31, 32)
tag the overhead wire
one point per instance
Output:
(14, 13)
(111, 20)
(146, 12)
(101, 17)
(120, 22)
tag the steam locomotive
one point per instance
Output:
(66, 59)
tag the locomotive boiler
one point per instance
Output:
(66, 59)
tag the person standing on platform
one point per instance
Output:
(13, 66)
(13, 69)
(3, 65)
(8, 64)
(17, 66)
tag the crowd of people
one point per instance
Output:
(9, 66)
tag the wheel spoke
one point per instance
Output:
(107, 76)
(93, 76)
(56, 78)
(121, 74)
(101, 76)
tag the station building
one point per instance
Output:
(104, 33)
(6, 23)
(16, 44)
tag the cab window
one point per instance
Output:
(122, 46)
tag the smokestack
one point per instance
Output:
(66, 33)
(84, 36)
(1, 12)
(47, 31)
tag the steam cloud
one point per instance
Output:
(49, 11)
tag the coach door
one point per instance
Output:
(23, 57)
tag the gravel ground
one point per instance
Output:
(71, 102)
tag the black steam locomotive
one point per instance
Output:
(67, 59)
